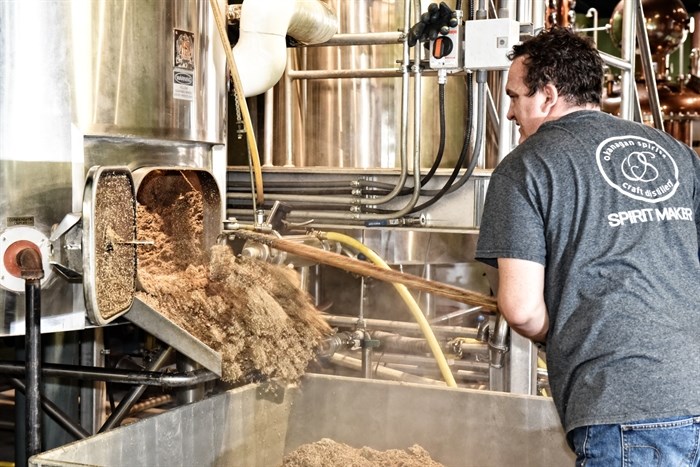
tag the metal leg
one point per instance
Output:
(54, 412)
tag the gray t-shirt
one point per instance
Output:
(611, 208)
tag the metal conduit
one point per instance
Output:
(404, 137)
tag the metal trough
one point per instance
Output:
(253, 426)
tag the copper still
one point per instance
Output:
(667, 24)
(560, 13)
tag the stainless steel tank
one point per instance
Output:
(355, 122)
(97, 83)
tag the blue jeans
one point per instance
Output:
(663, 443)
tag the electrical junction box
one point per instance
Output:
(487, 43)
(446, 50)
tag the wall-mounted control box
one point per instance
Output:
(446, 50)
(487, 43)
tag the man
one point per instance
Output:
(593, 223)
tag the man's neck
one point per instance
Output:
(560, 111)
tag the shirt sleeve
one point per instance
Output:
(512, 225)
(696, 198)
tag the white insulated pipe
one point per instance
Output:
(261, 51)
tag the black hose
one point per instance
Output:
(460, 162)
(436, 163)
(462, 155)
(441, 147)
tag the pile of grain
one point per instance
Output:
(329, 452)
(251, 312)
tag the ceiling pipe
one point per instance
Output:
(261, 51)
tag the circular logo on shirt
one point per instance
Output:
(638, 168)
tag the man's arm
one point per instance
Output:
(521, 297)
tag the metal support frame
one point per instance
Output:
(633, 21)
(135, 394)
(149, 378)
(33, 373)
(629, 86)
(53, 411)
(649, 74)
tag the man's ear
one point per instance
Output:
(551, 95)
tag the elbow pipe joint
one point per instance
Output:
(498, 343)
(29, 262)
(261, 51)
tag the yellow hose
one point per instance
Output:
(406, 296)
(542, 364)
(247, 122)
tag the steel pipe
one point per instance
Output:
(617, 62)
(428, 362)
(32, 342)
(31, 270)
(371, 38)
(342, 74)
(464, 375)
(149, 378)
(398, 326)
(380, 371)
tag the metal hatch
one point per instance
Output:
(109, 248)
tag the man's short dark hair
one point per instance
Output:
(567, 60)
